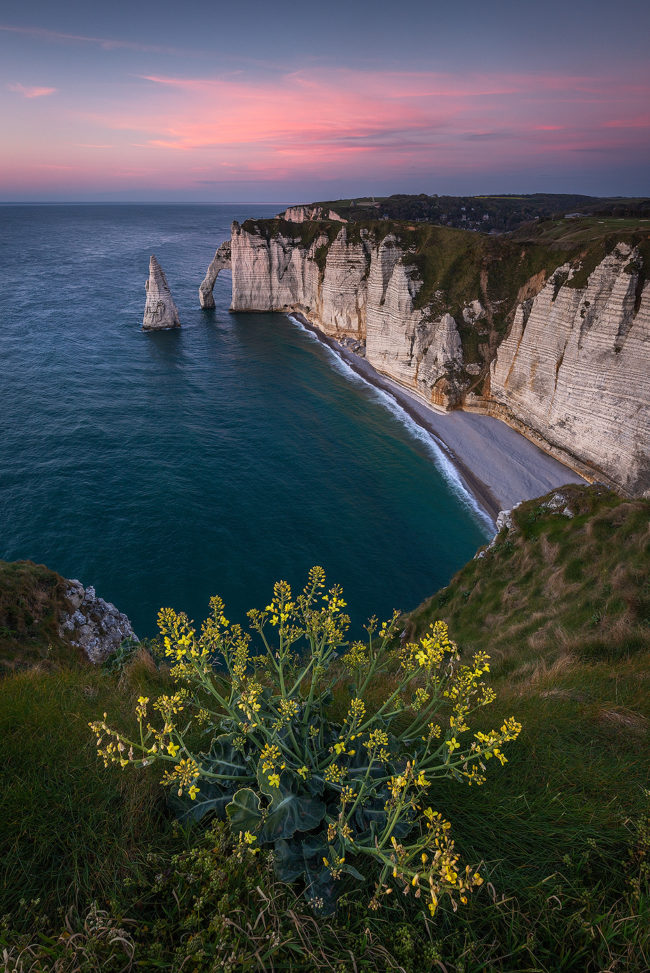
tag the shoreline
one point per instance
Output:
(497, 466)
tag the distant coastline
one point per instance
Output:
(496, 465)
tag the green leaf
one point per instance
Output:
(224, 758)
(291, 814)
(292, 858)
(211, 799)
(244, 812)
(288, 860)
(350, 870)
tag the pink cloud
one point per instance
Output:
(30, 91)
(343, 123)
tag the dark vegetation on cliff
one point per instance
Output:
(31, 602)
(94, 875)
(484, 213)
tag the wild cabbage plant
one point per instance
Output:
(336, 800)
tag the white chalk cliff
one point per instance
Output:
(160, 312)
(575, 369)
(572, 373)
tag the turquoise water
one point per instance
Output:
(163, 468)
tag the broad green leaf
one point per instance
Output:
(244, 812)
(292, 813)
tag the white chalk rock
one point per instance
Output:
(160, 312)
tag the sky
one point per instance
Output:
(287, 102)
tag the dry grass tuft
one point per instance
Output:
(624, 719)
(546, 671)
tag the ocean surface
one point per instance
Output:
(164, 468)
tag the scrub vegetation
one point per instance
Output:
(97, 872)
(31, 601)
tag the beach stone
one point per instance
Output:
(93, 624)
(160, 312)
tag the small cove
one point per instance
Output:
(165, 468)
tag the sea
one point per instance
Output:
(213, 459)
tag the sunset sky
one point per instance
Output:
(285, 102)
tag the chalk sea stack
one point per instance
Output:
(160, 312)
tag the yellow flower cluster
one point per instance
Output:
(421, 698)
(113, 749)
(169, 706)
(436, 870)
(269, 755)
(248, 701)
(281, 607)
(289, 709)
(356, 711)
(388, 627)
(185, 774)
(334, 864)
(334, 600)
(356, 657)
(334, 774)
(376, 738)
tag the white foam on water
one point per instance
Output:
(433, 446)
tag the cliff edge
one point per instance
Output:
(548, 331)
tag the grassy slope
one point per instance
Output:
(563, 607)
(71, 830)
(31, 601)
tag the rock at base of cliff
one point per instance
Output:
(160, 311)
(93, 624)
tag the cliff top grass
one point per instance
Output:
(485, 213)
(562, 606)
(31, 602)
(555, 586)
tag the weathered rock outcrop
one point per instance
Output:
(572, 372)
(299, 214)
(160, 312)
(575, 369)
(220, 261)
(93, 624)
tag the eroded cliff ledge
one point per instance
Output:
(554, 338)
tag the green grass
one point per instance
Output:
(31, 601)
(562, 831)
(71, 830)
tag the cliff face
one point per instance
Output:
(353, 287)
(566, 365)
(575, 369)
(299, 214)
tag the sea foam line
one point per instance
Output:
(434, 448)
